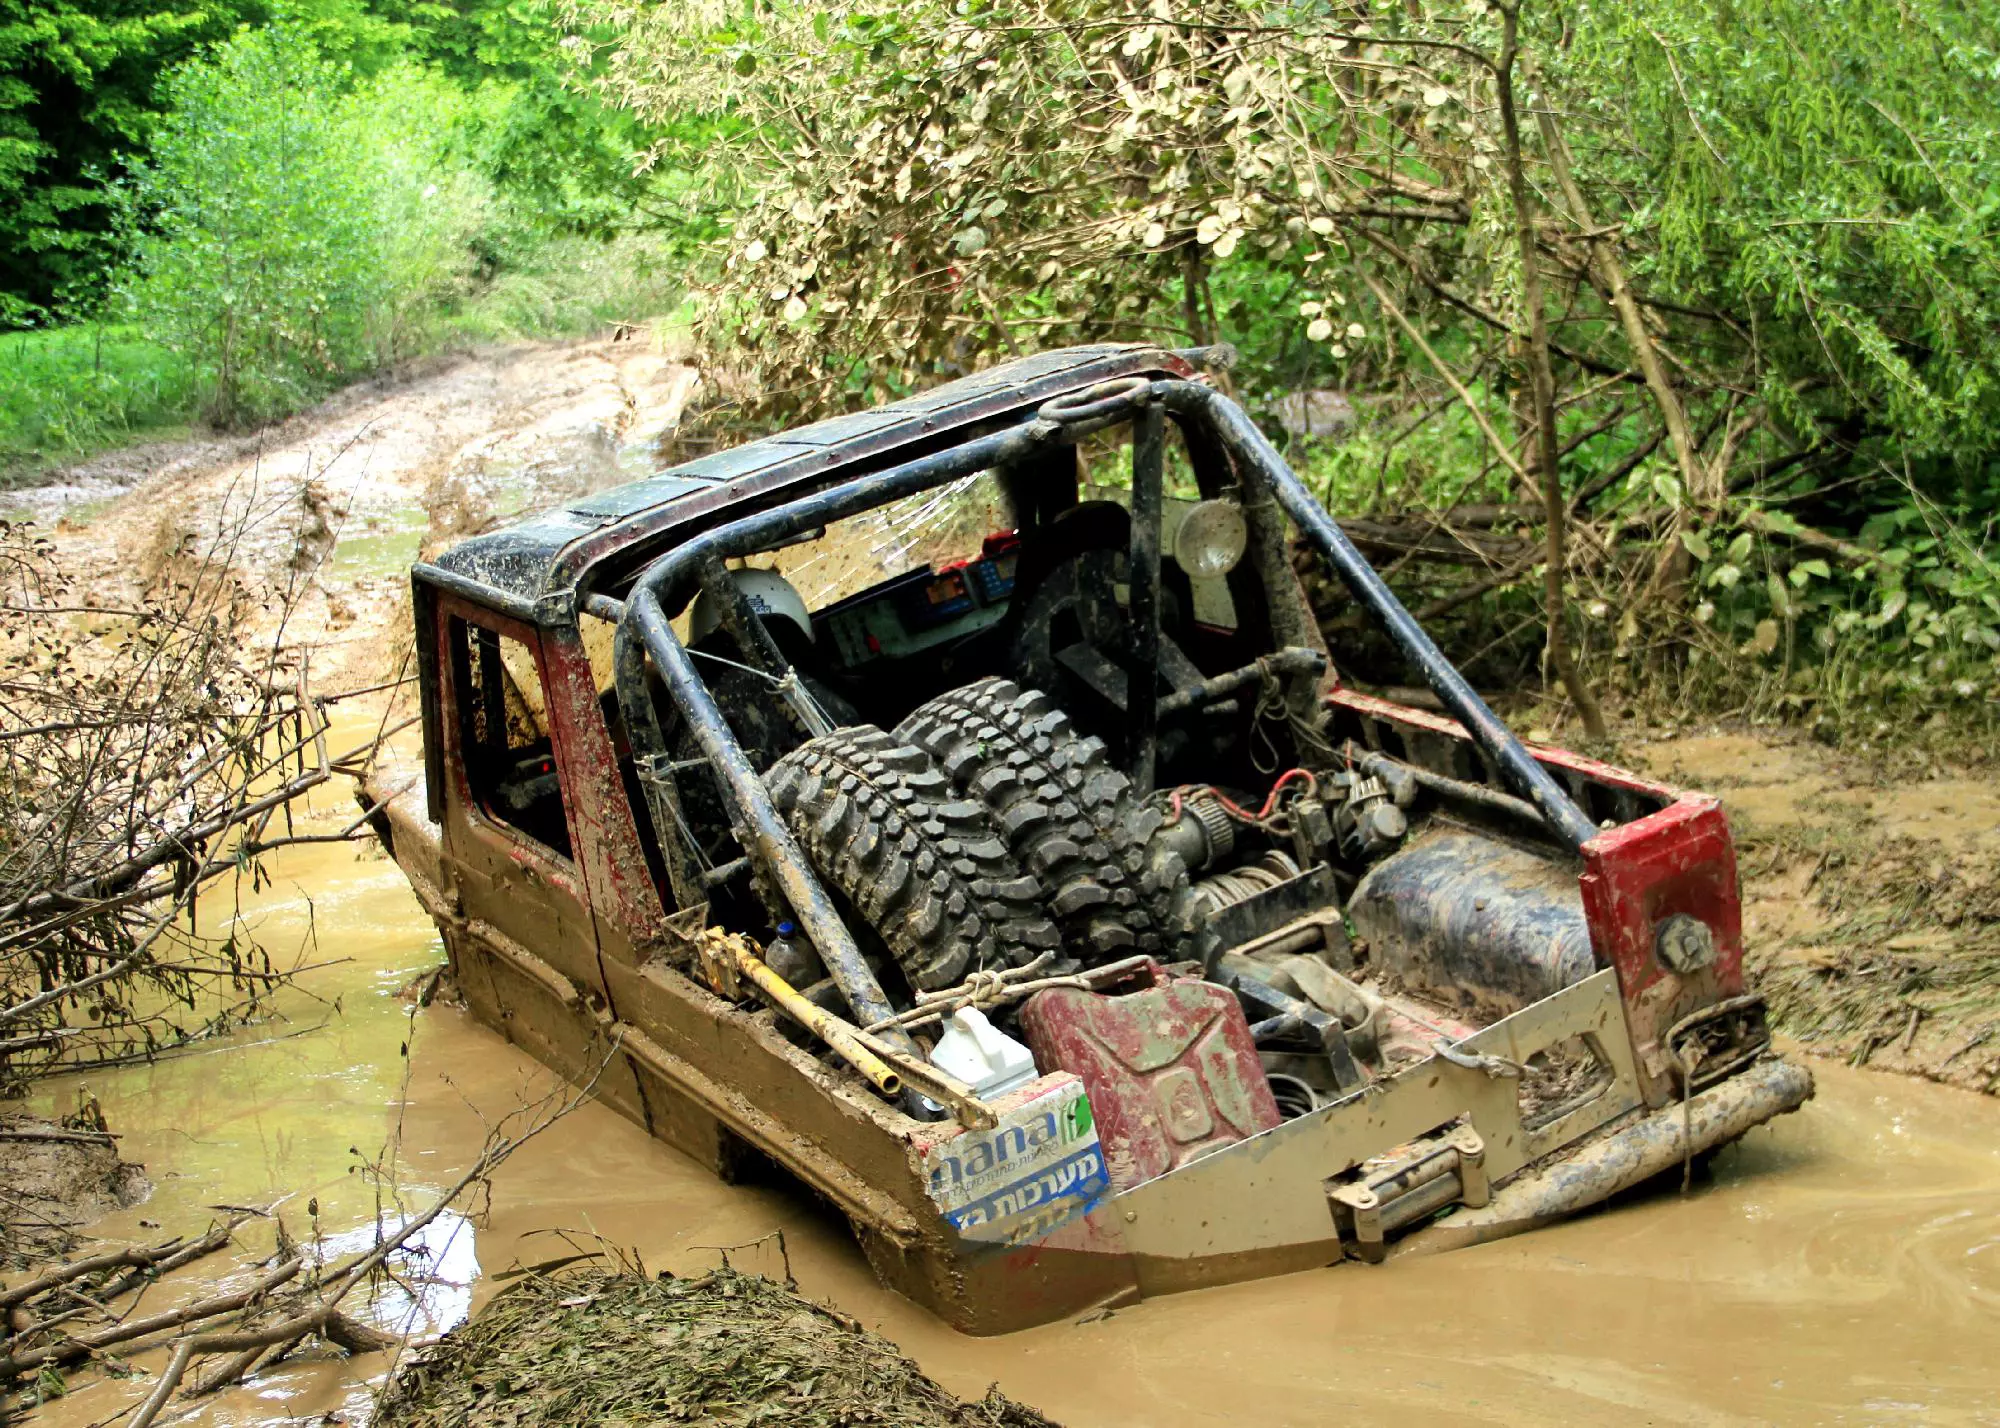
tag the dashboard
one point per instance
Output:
(921, 609)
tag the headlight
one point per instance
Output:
(1210, 540)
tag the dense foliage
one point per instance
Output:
(289, 230)
(1666, 329)
(266, 206)
(1734, 290)
(80, 92)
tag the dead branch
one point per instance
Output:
(77, 1347)
(1611, 273)
(64, 1273)
(325, 1320)
(1388, 305)
(141, 761)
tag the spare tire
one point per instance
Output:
(923, 867)
(1068, 815)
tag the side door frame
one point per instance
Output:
(525, 903)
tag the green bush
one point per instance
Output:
(289, 231)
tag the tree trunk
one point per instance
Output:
(1546, 464)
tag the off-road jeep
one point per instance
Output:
(745, 781)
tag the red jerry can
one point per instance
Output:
(1171, 1071)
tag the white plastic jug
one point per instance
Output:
(981, 1055)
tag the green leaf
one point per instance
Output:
(746, 64)
(1697, 544)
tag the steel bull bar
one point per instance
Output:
(1630, 1155)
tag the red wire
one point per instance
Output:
(1241, 814)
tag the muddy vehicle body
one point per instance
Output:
(1304, 975)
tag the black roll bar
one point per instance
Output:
(644, 628)
(1522, 771)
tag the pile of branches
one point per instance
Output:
(145, 753)
(591, 1345)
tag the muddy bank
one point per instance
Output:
(1872, 895)
(595, 1346)
(56, 1179)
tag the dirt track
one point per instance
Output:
(340, 500)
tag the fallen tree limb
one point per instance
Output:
(76, 1269)
(325, 1320)
(57, 1133)
(81, 1346)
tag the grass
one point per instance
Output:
(573, 287)
(69, 391)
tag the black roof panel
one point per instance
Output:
(525, 562)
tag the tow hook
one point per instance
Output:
(1448, 1169)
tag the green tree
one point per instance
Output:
(1716, 279)
(79, 92)
(289, 230)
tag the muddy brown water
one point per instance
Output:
(1841, 1266)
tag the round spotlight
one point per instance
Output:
(1210, 541)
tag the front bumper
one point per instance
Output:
(1627, 1154)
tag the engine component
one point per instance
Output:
(1201, 833)
(1240, 884)
(1171, 1071)
(1295, 1097)
(1066, 811)
(1283, 1018)
(1479, 923)
(1367, 820)
(923, 868)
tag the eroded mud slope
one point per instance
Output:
(333, 506)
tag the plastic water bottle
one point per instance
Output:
(980, 1054)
